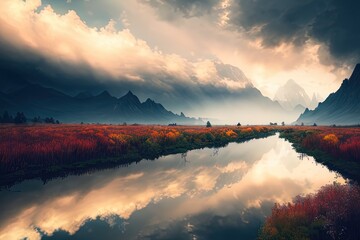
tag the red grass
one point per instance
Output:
(21, 146)
(342, 143)
(332, 213)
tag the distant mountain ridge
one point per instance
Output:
(341, 107)
(227, 95)
(36, 100)
(232, 73)
(291, 95)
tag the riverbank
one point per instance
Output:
(332, 213)
(50, 151)
(338, 148)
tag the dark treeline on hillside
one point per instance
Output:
(21, 118)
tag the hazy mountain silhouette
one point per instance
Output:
(228, 95)
(83, 95)
(341, 107)
(292, 96)
(232, 73)
(36, 100)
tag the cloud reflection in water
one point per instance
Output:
(223, 194)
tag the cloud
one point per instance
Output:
(178, 64)
(186, 8)
(332, 23)
(61, 50)
(329, 22)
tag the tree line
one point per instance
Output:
(20, 118)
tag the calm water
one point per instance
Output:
(208, 194)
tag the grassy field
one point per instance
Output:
(332, 213)
(48, 151)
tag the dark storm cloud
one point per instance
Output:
(333, 23)
(61, 51)
(71, 79)
(20, 66)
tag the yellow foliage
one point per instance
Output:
(259, 129)
(155, 134)
(247, 130)
(172, 135)
(331, 138)
(119, 138)
(231, 133)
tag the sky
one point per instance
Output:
(176, 49)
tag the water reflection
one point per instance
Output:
(217, 193)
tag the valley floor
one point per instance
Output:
(49, 151)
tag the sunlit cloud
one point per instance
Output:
(118, 54)
(168, 51)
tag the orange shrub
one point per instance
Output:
(247, 130)
(231, 133)
(331, 138)
(118, 138)
(172, 136)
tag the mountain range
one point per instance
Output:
(244, 103)
(241, 102)
(341, 107)
(292, 97)
(36, 100)
(228, 96)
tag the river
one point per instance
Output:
(223, 193)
